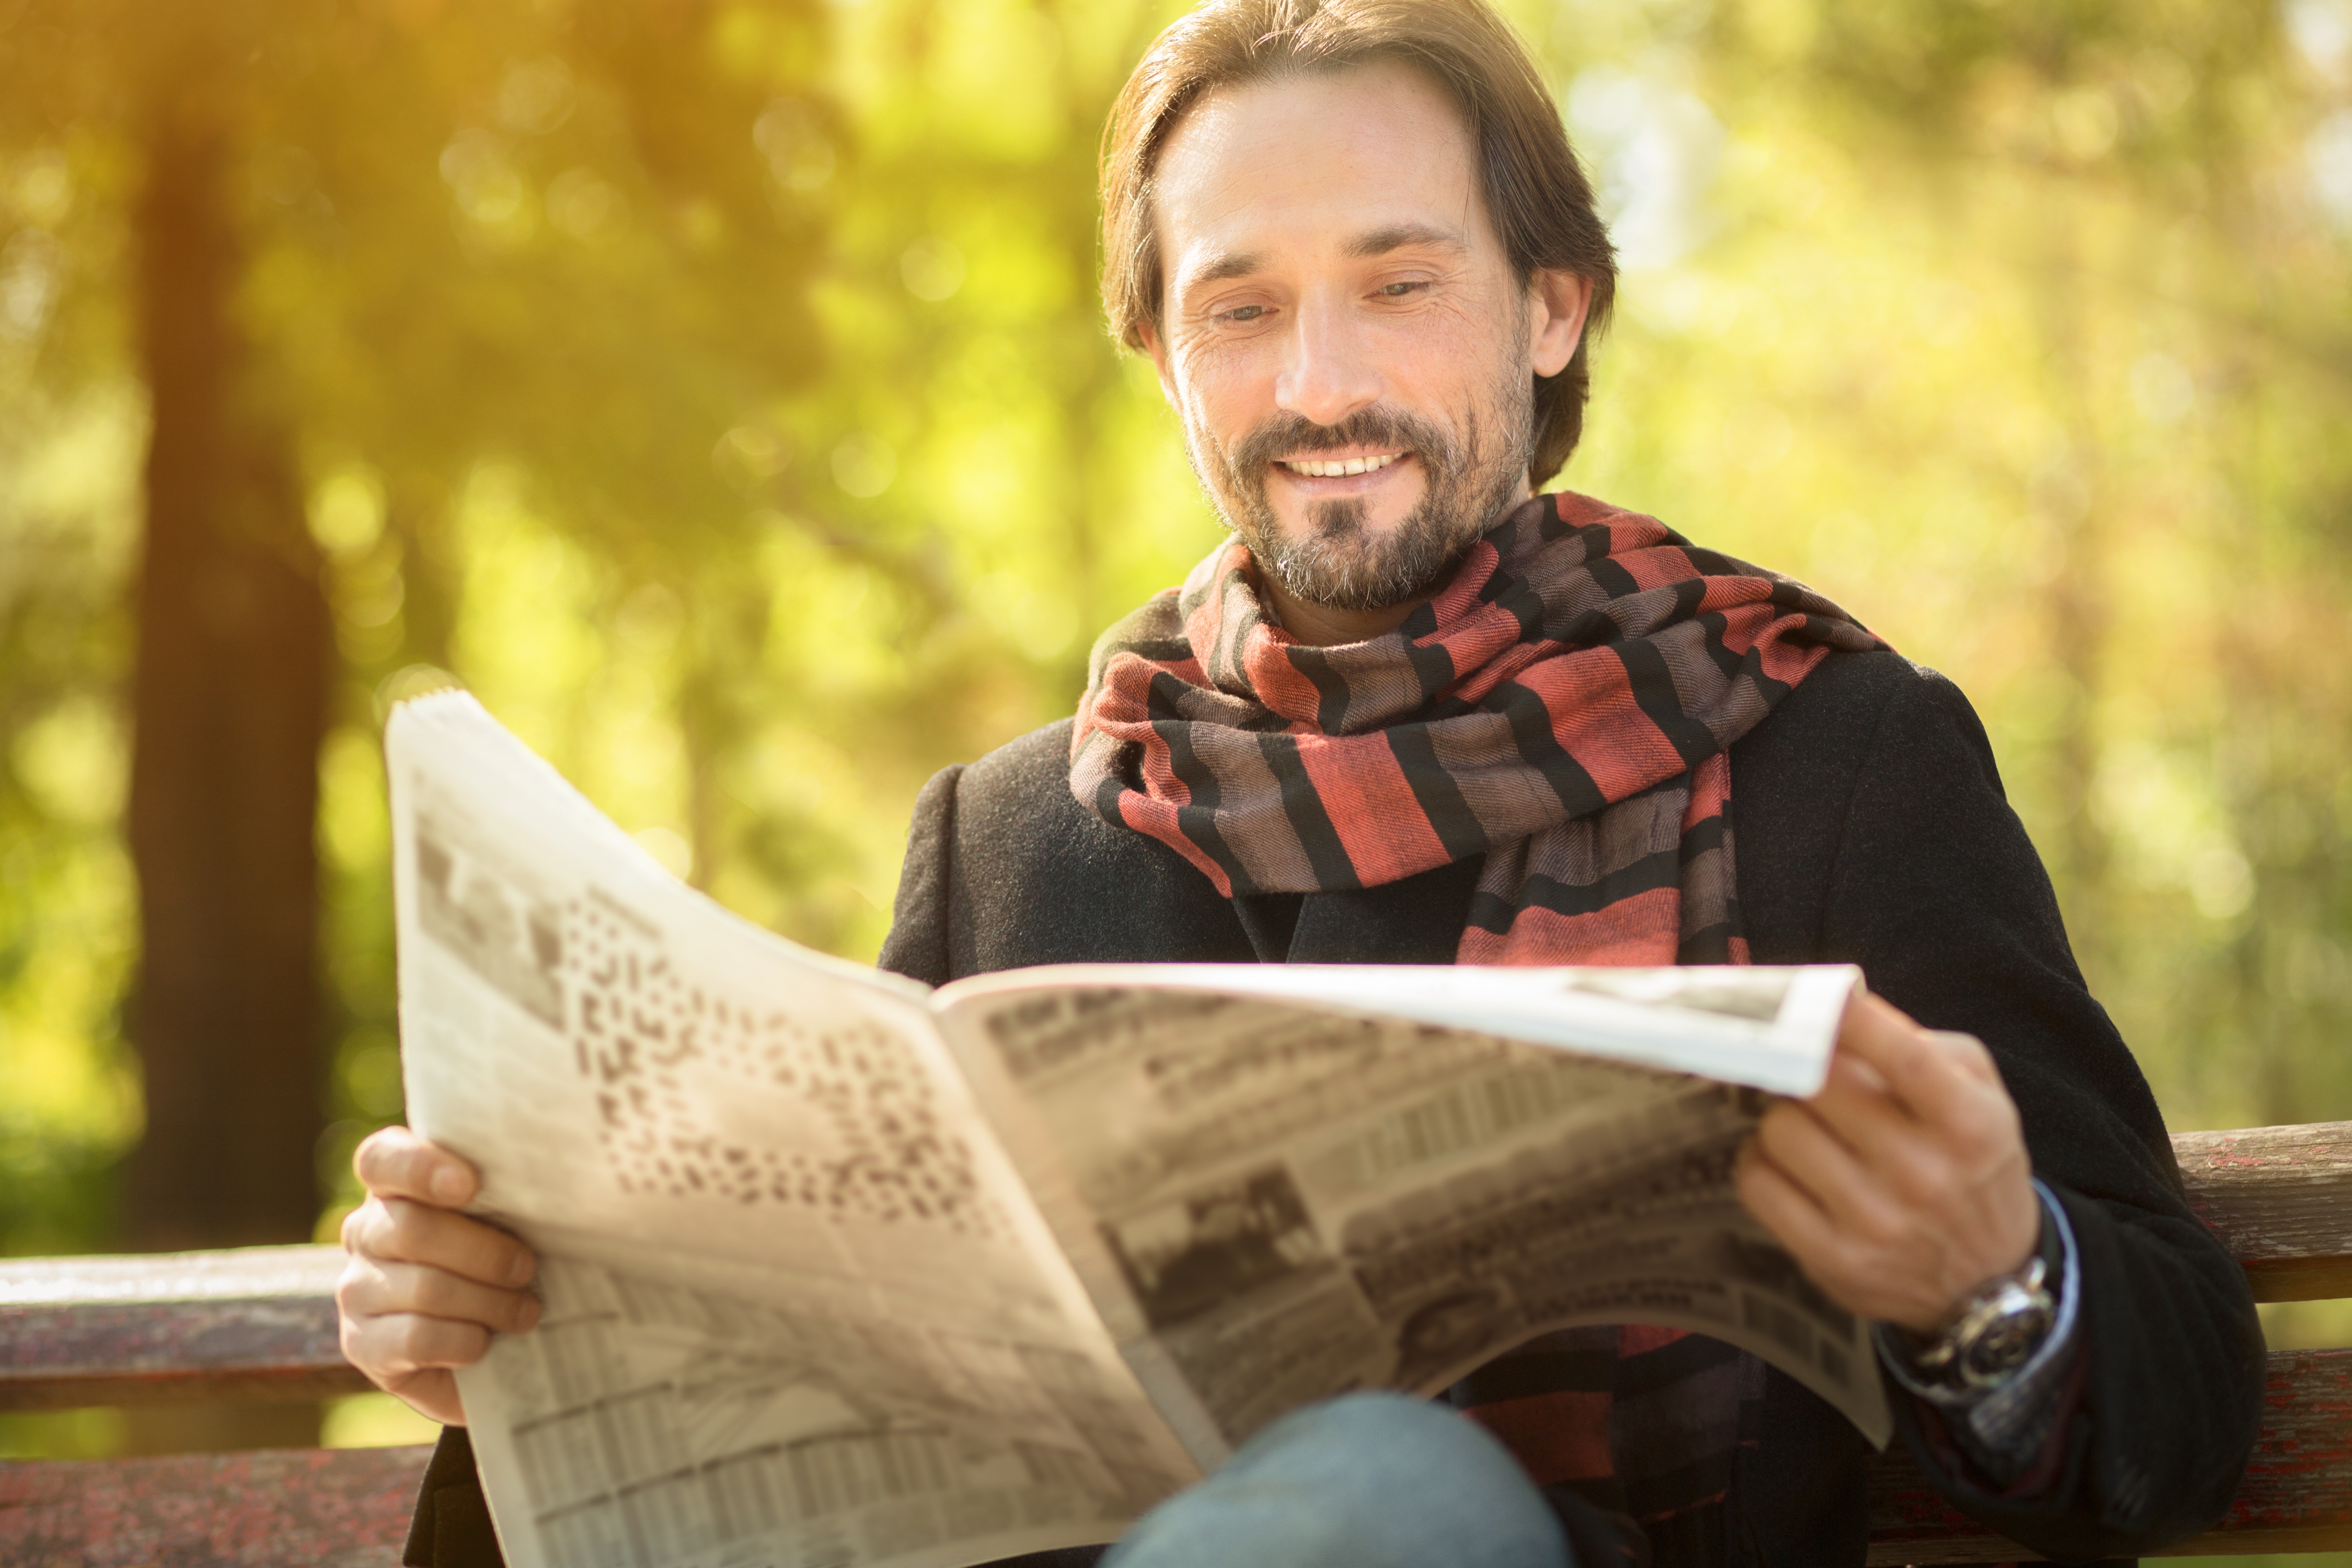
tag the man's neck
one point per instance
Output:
(1322, 625)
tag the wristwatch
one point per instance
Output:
(1992, 1334)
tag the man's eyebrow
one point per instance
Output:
(1398, 236)
(1374, 242)
(1232, 264)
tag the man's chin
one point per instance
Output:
(1372, 521)
(1366, 576)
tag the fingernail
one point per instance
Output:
(527, 1319)
(450, 1186)
(519, 1272)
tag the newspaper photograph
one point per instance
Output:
(798, 1307)
(1271, 1205)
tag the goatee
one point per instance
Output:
(1334, 561)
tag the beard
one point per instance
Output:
(1467, 478)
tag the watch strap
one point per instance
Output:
(2004, 1425)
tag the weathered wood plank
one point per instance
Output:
(2296, 1496)
(2281, 1199)
(252, 1323)
(235, 1273)
(348, 1507)
(258, 1323)
(340, 1508)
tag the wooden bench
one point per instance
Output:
(260, 1324)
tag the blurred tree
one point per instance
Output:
(2149, 182)
(228, 707)
(341, 269)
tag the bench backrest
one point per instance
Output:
(260, 1323)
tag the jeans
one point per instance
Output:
(1370, 1480)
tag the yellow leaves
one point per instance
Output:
(489, 189)
(41, 188)
(584, 205)
(73, 761)
(346, 512)
(354, 824)
(992, 77)
(933, 268)
(864, 464)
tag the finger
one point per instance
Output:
(1914, 1164)
(1855, 1088)
(1921, 1073)
(371, 1288)
(393, 1162)
(1807, 1152)
(394, 1345)
(1787, 1210)
(1974, 1117)
(1857, 1104)
(1848, 1276)
(395, 1230)
(1859, 1073)
(432, 1394)
(1969, 1054)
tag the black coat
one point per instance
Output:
(1869, 827)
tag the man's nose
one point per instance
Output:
(1331, 374)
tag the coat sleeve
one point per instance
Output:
(1936, 890)
(917, 946)
(451, 1527)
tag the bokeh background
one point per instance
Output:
(716, 388)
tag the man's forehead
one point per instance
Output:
(1359, 162)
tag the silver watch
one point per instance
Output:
(1993, 1333)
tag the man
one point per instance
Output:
(1415, 712)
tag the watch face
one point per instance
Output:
(2005, 1342)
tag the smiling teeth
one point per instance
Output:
(1332, 470)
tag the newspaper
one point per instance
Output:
(1269, 1203)
(841, 1271)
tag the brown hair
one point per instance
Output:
(1537, 195)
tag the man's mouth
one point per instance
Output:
(1335, 468)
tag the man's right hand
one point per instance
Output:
(425, 1285)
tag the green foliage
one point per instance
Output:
(716, 388)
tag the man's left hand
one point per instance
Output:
(1903, 1185)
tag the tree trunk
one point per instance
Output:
(229, 707)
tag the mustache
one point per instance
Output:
(1295, 435)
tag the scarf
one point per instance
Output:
(1563, 708)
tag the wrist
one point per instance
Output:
(2022, 1236)
(1995, 1328)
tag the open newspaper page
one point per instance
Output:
(1273, 1202)
(799, 1309)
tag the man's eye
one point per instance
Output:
(1244, 312)
(1398, 291)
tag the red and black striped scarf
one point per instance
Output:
(1562, 708)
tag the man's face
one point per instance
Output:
(1342, 333)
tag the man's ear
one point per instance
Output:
(1559, 302)
(1153, 345)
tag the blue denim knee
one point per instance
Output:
(1368, 1480)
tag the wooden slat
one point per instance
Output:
(2296, 1496)
(343, 1507)
(250, 1323)
(2281, 1199)
(350, 1507)
(260, 1322)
